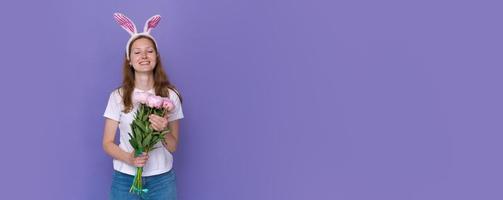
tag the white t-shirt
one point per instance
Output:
(160, 159)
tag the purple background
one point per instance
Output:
(319, 99)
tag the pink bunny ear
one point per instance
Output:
(125, 23)
(151, 23)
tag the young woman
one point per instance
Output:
(142, 72)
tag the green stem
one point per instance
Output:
(137, 186)
(140, 179)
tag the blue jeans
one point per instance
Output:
(160, 187)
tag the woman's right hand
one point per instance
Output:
(138, 161)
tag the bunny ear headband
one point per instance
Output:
(129, 26)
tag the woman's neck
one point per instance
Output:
(144, 81)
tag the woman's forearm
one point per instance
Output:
(116, 152)
(170, 142)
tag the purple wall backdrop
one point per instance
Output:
(284, 99)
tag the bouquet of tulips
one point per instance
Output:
(144, 137)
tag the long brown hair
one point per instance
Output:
(161, 81)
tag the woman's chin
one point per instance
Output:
(144, 69)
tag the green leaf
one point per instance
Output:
(144, 116)
(155, 137)
(147, 127)
(136, 130)
(138, 141)
(137, 133)
(147, 140)
(133, 143)
(139, 124)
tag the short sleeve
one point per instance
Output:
(177, 112)
(113, 109)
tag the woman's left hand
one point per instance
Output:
(158, 123)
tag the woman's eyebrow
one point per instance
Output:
(143, 48)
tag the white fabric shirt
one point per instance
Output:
(160, 159)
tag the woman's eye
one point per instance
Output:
(136, 52)
(151, 51)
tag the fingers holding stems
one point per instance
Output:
(158, 123)
(138, 161)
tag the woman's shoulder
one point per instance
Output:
(172, 90)
(173, 93)
(117, 93)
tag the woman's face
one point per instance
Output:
(143, 55)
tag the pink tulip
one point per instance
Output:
(154, 101)
(167, 104)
